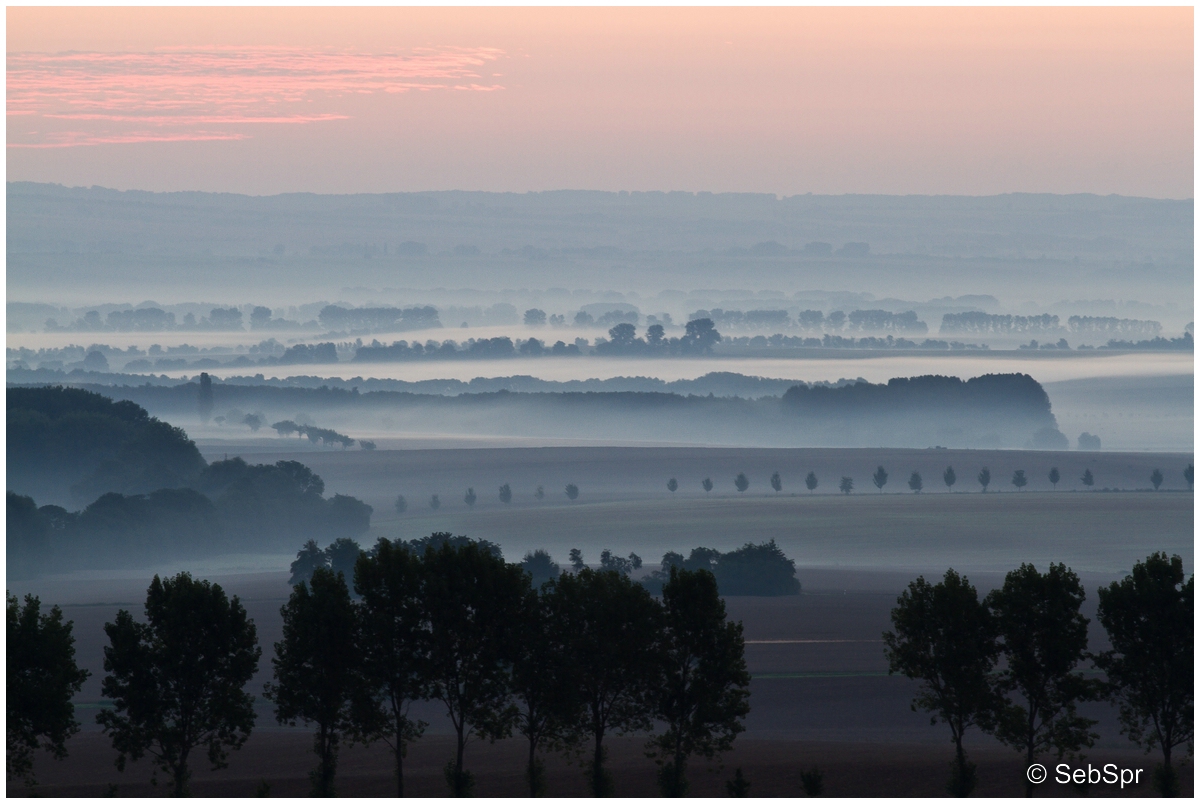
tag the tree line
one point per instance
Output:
(564, 666)
(1013, 664)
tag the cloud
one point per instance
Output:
(183, 89)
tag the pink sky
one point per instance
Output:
(869, 100)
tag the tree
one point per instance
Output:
(576, 558)
(205, 402)
(738, 786)
(343, 555)
(741, 482)
(393, 649)
(1189, 475)
(1088, 479)
(915, 483)
(700, 336)
(176, 680)
(535, 317)
(316, 668)
(706, 484)
(1054, 477)
(944, 637)
(505, 494)
(610, 627)
(949, 478)
(42, 678)
(572, 491)
(984, 478)
(879, 479)
(625, 566)
(1156, 478)
(541, 567)
(435, 502)
(253, 421)
(702, 690)
(1044, 638)
(307, 560)
(672, 485)
(545, 701)
(472, 602)
(470, 498)
(811, 481)
(847, 485)
(776, 483)
(401, 504)
(1019, 480)
(1149, 620)
(539, 493)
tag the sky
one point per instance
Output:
(972, 101)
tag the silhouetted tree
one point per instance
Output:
(535, 317)
(205, 402)
(949, 478)
(545, 701)
(1088, 479)
(984, 478)
(541, 567)
(470, 498)
(435, 502)
(572, 491)
(847, 485)
(42, 678)
(576, 558)
(879, 479)
(253, 421)
(1148, 617)
(1044, 638)
(505, 494)
(776, 482)
(393, 647)
(1189, 475)
(401, 504)
(317, 667)
(702, 691)
(741, 482)
(1156, 478)
(176, 680)
(944, 637)
(472, 601)
(307, 560)
(366, 445)
(672, 485)
(1019, 480)
(914, 482)
(625, 566)
(811, 481)
(738, 786)
(707, 485)
(700, 336)
(610, 627)
(343, 555)
(1054, 477)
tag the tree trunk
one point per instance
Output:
(458, 764)
(181, 774)
(399, 767)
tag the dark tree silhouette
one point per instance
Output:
(42, 678)
(343, 555)
(944, 637)
(811, 481)
(1189, 475)
(176, 680)
(1054, 477)
(576, 558)
(572, 491)
(393, 649)
(949, 478)
(205, 402)
(625, 566)
(1156, 478)
(539, 493)
(1149, 620)
(545, 701)
(541, 567)
(915, 483)
(435, 502)
(672, 485)
(880, 479)
(505, 494)
(700, 336)
(1044, 639)
(472, 603)
(610, 626)
(738, 786)
(776, 482)
(706, 484)
(316, 668)
(741, 482)
(1019, 480)
(847, 485)
(984, 478)
(703, 689)
(1088, 478)
(401, 504)
(469, 498)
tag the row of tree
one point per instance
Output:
(505, 495)
(1012, 664)
(563, 666)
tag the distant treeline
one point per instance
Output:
(378, 319)
(778, 341)
(154, 319)
(152, 495)
(815, 320)
(976, 323)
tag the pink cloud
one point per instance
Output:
(182, 88)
